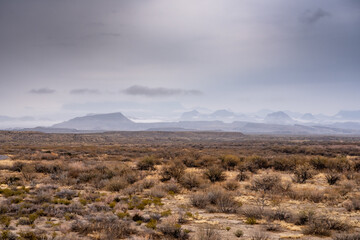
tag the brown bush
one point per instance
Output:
(322, 226)
(146, 163)
(352, 205)
(172, 170)
(116, 184)
(312, 195)
(208, 233)
(231, 185)
(284, 164)
(353, 236)
(191, 180)
(199, 200)
(229, 161)
(332, 177)
(266, 182)
(215, 174)
(302, 173)
(242, 176)
(254, 212)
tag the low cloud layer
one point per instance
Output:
(81, 91)
(313, 16)
(42, 91)
(159, 92)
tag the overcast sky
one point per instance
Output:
(64, 58)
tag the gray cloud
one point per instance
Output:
(80, 91)
(159, 92)
(42, 91)
(228, 49)
(313, 16)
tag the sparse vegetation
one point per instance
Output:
(107, 186)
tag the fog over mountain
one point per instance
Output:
(155, 60)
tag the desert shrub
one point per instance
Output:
(229, 162)
(66, 193)
(226, 203)
(254, 212)
(199, 200)
(191, 180)
(171, 187)
(357, 166)
(17, 166)
(242, 176)
(304, 217)
(213, 194)
(302, 173)
(206, 161)
(215, 174)
(147, 183)
(157, 192)
(284, 164)
(272, 227)
(7, 235)
(109, 226)
(322, 226)
(174, 170)
(319, 163)
(254, 163)
(218, 198)
(29, 235)
(5, 220)
(146, 163)
(266, 182)
(24, 221)
(313, 195)
(352, 205)
(47, 168)
(279, 213)
(259, 235)
(353, 236)
(131, 176)
(339, 164)
(27, 172)
(239, 233)
(170, 227)
(207, 233)
(332, 177)
(231, 185)
(116, 184)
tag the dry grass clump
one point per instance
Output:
(332, 177)
(207, 233)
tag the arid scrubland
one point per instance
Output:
(154, 185)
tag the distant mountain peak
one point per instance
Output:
(278, 118)
(308, 117)
(223, 113)
(107, 121)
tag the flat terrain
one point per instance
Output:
(183, 185)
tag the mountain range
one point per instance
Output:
(264, 122)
